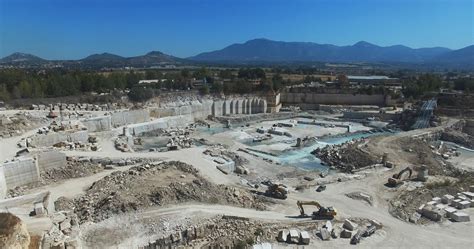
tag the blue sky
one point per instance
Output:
(73, 29)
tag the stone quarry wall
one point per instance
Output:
(202, 108)
(26, 170)
(20, 172)
(96, 124)
(129, 117)
(51, 159)
(3, 184)
(160, 123)
(314, 99)
(44, 140)
(469, 127)
(105, 123)
(239, 106)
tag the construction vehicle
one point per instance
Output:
(397, 179)
(278, 191)
(323, 212)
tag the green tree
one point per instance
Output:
(25, 89)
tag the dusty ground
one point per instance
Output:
(151, 211)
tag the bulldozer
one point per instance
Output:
(322, 213)
(278, 191)
(397, 179)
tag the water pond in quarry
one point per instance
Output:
(281, 149)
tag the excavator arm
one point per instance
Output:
(302, 203)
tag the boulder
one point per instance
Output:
(415, 217)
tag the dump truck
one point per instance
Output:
(322, 213)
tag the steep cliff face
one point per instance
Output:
(202, 108)
(13, 232)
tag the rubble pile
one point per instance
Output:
(221, 151)
(155, 184)
(64, 233)
(19, 123)
(78, 107)
(175, 138)
(123, 143)
(345, 157)
(225, 232)
(73, 169)
(408, 204)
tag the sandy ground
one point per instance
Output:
(464, 161)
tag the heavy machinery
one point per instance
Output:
(323, 212)
(397, 179)
(278, 191)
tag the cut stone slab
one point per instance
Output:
(349, 225)
(346, 234)
(432, 203)
(469, 195)
(282, 235)
(455, 203)
(436, 199)
(450, 211)
(335, 232)
(464, 204)
(328, 226)
(460, 217)
(325, 234)
(440, 206)
(447, 199)
(304, 238)
(293, 236)
(432, 213)
(39, 209)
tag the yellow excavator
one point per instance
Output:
(397, 179)
(322, 213)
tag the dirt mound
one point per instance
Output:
(345, 157)
(160, 184)
(19, 123)
(73, 169)
(13, 233)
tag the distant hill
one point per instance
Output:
(272, 52)
(461, 58)
(153, 58)
(22, 58)
(102, 60)
(268, 50)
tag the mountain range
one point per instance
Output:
(269, 51)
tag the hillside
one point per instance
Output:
(268, 50)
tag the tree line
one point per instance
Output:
(23, 83)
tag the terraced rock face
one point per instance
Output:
(160, 184)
